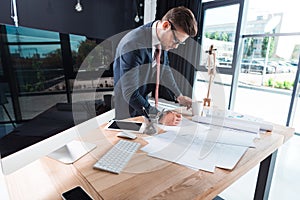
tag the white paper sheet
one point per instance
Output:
(229, 155)
(217, 134)
(199, 146)
(229, 123)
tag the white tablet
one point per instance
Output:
(120, 125)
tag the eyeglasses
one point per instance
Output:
(176, 40)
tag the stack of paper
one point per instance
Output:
(200, 146)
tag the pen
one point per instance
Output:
(161, 113)
(146, 114)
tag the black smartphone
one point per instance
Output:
(76, 193)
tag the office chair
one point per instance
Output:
(3, 101)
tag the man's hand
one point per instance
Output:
(170, 118)
(185, 101)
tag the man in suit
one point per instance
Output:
(136, 71)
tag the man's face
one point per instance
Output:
(171, 37)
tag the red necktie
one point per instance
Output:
(157, 58)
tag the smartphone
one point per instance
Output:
(75, 194)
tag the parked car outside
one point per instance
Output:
(278, 68)
(288, 67)
(224, 62)
(282, 67)
(256, 66)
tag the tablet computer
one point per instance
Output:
(120, 125)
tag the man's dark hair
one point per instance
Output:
(184, 18)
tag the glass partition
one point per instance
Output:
(38, 73)
(219, 29)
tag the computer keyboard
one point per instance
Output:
(117, 157)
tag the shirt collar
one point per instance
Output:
(155, 39)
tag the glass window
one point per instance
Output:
(218, 91)
(92, 63)
(267, 71)
(269, 59)
(23, 34)
(77, 42)
(220, 32)
(272, 16)
(218, 39)
(38, 68)
(36, 60)
(91, 54)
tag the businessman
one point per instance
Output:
(141, 64)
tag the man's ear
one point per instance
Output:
(166, 25)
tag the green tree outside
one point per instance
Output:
(264, 46)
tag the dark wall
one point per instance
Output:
(189, 50)
(99, 18)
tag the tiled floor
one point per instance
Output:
(287, 173)
(286, 178)
(3, 190)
